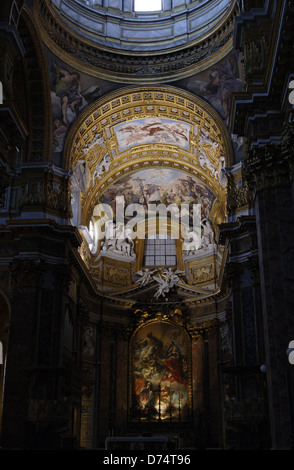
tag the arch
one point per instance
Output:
(196, 142)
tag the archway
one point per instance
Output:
(161, 135)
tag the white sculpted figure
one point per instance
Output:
(163, 286)
(109, 243)
(208, 233)
(146, 277)
(205, 162)
(124, 242)
(101, 167)
(172, 276)
(118, 240)
(204, 139)
(97, 140)
(166, 281)
(79, 177)
(192, 242)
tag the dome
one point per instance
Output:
(120, 25)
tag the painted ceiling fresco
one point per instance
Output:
(159, 185)
(72, 91)
(150, 130)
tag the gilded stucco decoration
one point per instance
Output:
(123, 57)
(140, 134)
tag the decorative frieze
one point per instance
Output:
(255, 57)
(237, 197)
(48, 192)
(203, 329)
(271, 166)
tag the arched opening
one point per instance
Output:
(137, 149)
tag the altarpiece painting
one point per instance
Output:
(160, 373)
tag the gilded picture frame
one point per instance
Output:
(160, 373)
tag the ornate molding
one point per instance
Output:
(49, 192)
(271, 166)
(237, 197)
(203, 329)
(175, 63)
(175, 315)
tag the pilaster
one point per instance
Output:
(269, 172)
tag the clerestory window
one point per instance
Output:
(147, 5)
(160, 250)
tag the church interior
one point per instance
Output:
(146, 224)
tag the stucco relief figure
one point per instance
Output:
(166, 281)
(194, 241)
(118, 240)
(191, 243)
(146, 276)
(173, 276)
(163, 286)
(97, 140)
(101, 167)
(80, 174)
(206, 163)
(205, 139)
(109, 242)
(124, 242)
(222, 171)
(208, 233)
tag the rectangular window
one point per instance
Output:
(160, 251)
(147, 5)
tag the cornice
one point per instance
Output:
(271, 166)
(121, 66)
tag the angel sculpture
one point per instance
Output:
(166, 281)
(146, 277)
(172, 276)
(163, 286)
